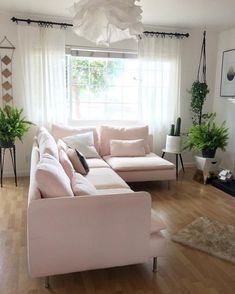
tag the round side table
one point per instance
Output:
(177, 156)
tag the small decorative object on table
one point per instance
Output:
(225, 175)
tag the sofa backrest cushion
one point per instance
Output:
(66, 164)
(81, 186)
(51, 178)
(127, 147)
(108, 133)
(62, 145)
(34, 192)
(84, 143)
(47, 143)
(78, 161)
(61, 131)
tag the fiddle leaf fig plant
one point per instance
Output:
(12, 124)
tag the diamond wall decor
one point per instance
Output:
(6, 60)
(6, 54)
(7, 98)
(6, 86)
(6, 73)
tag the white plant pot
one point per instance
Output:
(173, 144)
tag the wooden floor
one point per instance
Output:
(182, 271)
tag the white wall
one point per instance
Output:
(222, 106)
(190, 58)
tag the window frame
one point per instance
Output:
(99, 53)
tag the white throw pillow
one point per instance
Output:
(84, 143)
(81, 186)
(51, 178)
(129, 148)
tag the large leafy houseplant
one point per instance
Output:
(207, 137)
(12, 125)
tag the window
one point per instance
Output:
(102, 85)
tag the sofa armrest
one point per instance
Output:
(81, 233)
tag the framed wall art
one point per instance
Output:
(227, 85)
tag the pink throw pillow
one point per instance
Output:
(127, 148)
(51, 179)
(81, 186)
(66, 164)
(108, 133)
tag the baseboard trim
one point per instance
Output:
(189, 164)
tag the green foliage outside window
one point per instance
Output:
(96, 74)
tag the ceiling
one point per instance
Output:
(210, 14)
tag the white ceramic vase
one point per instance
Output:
(173, 144)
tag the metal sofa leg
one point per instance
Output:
(168, 185)
(46, 282)
(155, 264)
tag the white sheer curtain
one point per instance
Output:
(42, 52)
(159, 85)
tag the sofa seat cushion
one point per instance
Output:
(113, 191)
(96, 162)
(105, 178)
(149, 162)
(156, 223)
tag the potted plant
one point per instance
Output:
(207, 137)
(198, 91)
(12, 126)
(173, 140)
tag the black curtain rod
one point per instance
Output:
(62, 24)
(178, 35)
(41, 22)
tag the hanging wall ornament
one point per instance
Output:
(6, 54)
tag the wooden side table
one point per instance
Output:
(177, 156)
(12, 150)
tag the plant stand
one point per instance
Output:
(13, 159)
(177, 156)
(206, 165)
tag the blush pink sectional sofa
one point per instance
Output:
(114, 227)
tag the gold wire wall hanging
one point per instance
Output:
(6, 54)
